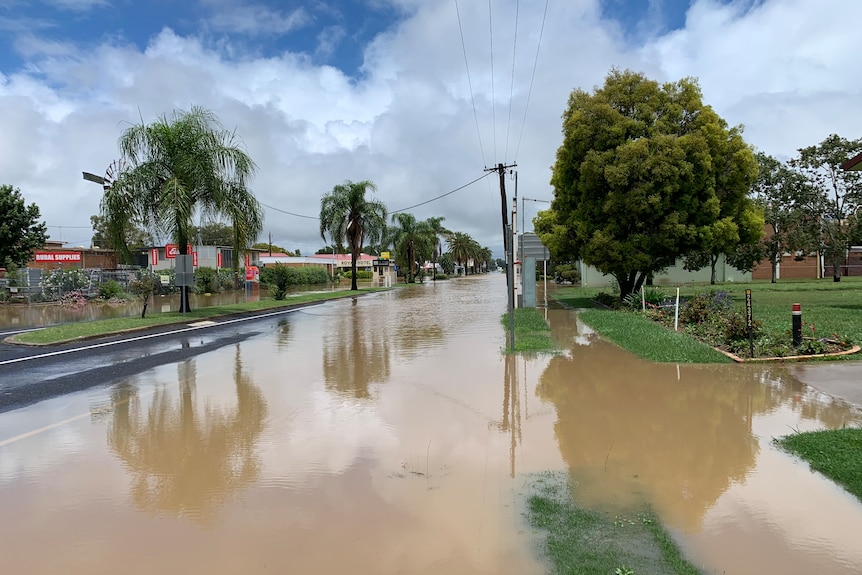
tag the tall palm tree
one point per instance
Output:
(346, 214)
(180, 165)
(485, 255)
(440, 233)
(463, 248)
(413, 240)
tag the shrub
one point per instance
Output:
(111, 289)
(567, 273)
(278, 278)
(60, 281)
(736, 328)
(701, 306)
(360, 275)
(441, 277)
(207, 281)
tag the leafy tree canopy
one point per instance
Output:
(134, 236)
(641, 173)
(840, 190)
(275, 248)
(20, 229)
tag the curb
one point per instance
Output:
(737, 359)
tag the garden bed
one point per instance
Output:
(711, 317)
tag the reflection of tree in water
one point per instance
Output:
(184, 464)
(284, 334)
(355, 353)
(677, 436)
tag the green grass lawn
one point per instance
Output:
(584, 541)
(73, 331)
(833, 310)
(836, 453)
(648, 339)
(532, 332)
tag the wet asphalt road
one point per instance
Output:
(30, 374)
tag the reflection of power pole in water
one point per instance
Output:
(511, 421)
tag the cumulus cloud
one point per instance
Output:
(784, 68)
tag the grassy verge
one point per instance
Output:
(590, 542)
(82, 330)
(829, 310)
(532, 332)
(837, 454)
(649, 340)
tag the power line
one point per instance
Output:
(442, 195)
(493, 107)
(512, 86)
(288, 213)
(395, 212)
(532, 78)
(71, 227)
(470, 84)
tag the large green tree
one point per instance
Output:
(180, 166)
(840, 189)
(413, 241)
(790, 206)
(348, 216)
(739, 226)
(20, 229)
(637, 178)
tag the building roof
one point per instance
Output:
(854, 163)
(343, 256)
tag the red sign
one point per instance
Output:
(218, 260)
(57, 256)
(154, 256)
(195, 259)
(173, 250)
(251, 273)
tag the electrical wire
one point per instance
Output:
(512, 86)
(443, 195)
(288, 213)
(493, 107)
(470, 84)
(532, 78)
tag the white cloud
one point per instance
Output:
(256, 19)
(784, 68)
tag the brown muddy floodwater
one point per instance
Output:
(388, 434)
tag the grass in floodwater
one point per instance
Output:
(532, 332)
(835, 453)
(648, 339)
(102, 327)
(587, 542)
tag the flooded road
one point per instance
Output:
(387, 434)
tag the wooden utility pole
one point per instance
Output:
(507, 247)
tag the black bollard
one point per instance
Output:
(797, 325)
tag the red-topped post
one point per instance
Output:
(797, 325)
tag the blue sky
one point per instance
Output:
(327, 32)
(333, 33)
(320, 92)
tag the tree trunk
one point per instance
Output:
(774, 263)
(353, 286)
(713, 262)
(144, 311)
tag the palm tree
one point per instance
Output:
(485, 255)
(463, 248)
(346, 214)
(180, 165)
(439, 232)
(413, 241)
